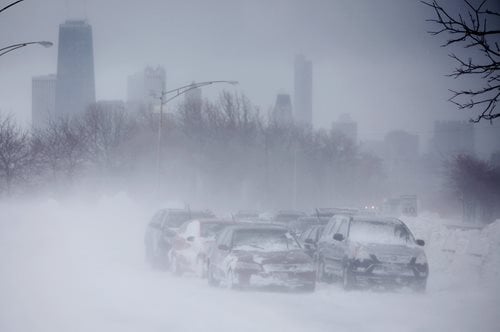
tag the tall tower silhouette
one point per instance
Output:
(75, 89)
(302, 102)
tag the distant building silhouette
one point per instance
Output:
(282, 113)
(401, 147)
(302, 102)
(43, 100)
(451, 138)
(144, 88)
(347, 127)
(75, 68)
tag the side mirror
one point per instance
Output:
(190, 238)
(223, 247)
(338, 237)
(420, 242)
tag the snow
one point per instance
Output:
(79, 266)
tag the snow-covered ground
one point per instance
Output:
(79, 266)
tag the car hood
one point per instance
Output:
(273, 257)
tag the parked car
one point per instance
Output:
(309, 239)
(330, 212)
(192, 243)
(246, 215)
(259, 255)
(161, 231)
(303, 223)
(370, 251)
(286, 216)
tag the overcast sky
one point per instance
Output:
(372, 59)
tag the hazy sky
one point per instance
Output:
(372, 59)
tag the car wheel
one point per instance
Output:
(211, 279)
(309, 287)
(174, 266)
(347, 279)
(321, 275)
(231, 280)
(420, 286)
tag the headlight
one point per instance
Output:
(421, 259)
(247, 266)
(362, 254)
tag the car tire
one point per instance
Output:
(231, 280)
(211, 279)
(420, 286)
(348, 282)
(321, 275)
(174, 266)
(309, 287)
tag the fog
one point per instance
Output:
(80, 189)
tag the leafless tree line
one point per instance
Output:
(476, 185)
(220, 151)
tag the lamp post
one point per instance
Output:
(167, 96)
(10, 48)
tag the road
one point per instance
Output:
(75, 268)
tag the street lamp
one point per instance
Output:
(167, 96)
(13, 47)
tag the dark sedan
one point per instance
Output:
(260, 256)
(371, 252)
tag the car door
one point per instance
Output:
(218, 256)
(339, 247)
(328, 249)
(153, 233)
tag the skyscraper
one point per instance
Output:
(303, 91)
(43, 100)
(282, 113)
(347, 127)
(145, 87)
(75, 68)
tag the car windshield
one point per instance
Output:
(264, 240)
(176, 219)
(286, 217)
(210, 229)
(380, 233)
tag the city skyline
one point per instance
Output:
(404, 81)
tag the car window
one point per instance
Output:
(210, 229)
(329, 228)
(220, 237)
(380, 233)
(305, 235)
(343, 228)
(157, 218)
(267, 240)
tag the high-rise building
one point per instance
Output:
(43, 100)
(75, 68)
(282, 113)
(347, 127)
(302, 102)
(145, 87)
(451, 138)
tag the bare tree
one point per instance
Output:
(14, 153)
(476, 184)
(475, 29)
